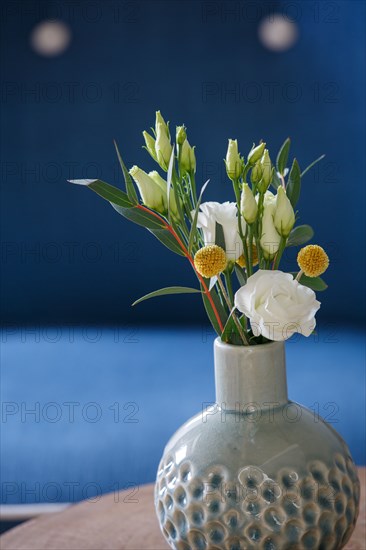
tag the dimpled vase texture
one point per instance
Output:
(256, 471)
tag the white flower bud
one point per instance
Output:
(248, 205)
(266, 167)
(233, 161)
(180, 135)
(187, 159)
(151, 193)
(284, 217)
(160, 120)
(256, 153)
(270, 238)
(150, 144)
(163, 186)
(163, 147)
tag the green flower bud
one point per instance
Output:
(248, 205)
(150, 144)
(266, 167)
(187, 159)
(256, 153)
(160, 120)
(284, 217)
(181, 135)
(233, 161)
(152, 194)
(163, 186)
(256, 173)
(163, 147)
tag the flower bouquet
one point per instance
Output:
(255, 470)
(230, 244)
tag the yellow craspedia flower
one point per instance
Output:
(241, 260)
(210, 261)
(313, 260)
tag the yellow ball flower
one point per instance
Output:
(210, 261)
(313, 260)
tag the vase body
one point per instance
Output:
(254, 470)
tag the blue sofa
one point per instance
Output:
(88, 411)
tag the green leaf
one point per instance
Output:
(168, 240)
(219, 307)
(141, 217)
(192, 232)
(300, 235)
(240, 274)
(219, 236)
(108, 192)
(294, 183)
(315, 283)
(166, 291)
(276, 181)
(282, 156)
(312, 164)
(130, 188)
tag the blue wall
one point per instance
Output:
(67, 256)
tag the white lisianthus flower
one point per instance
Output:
(270, 239)
(277, 305)
(226, 215)
(153, 195)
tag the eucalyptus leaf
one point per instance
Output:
(141, 217)
(107, 191)
(300, 235)
(315, 283)
(230, 333)
(294, 183)
(167, 239)
(276, 180)
(312, 164)
(166, 291)
(240, 274)
(130, 188)
(219, 307)
(219, 236)
(282, 156)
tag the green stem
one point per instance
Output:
(280, 250)
(235, 319)
(250, 250)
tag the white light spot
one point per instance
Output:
(50, 38)
(277, 33)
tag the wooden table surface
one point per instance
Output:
(117, 521)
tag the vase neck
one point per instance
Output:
(250, 377)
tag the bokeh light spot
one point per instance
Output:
(50, 38)
(277, 33)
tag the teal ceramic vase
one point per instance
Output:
(256, 471)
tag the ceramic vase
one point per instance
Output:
(255, 470)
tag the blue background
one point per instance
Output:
(69, 260)
(67, 256)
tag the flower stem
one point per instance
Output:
(299, 275)
(280, 250)
(235, 319)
